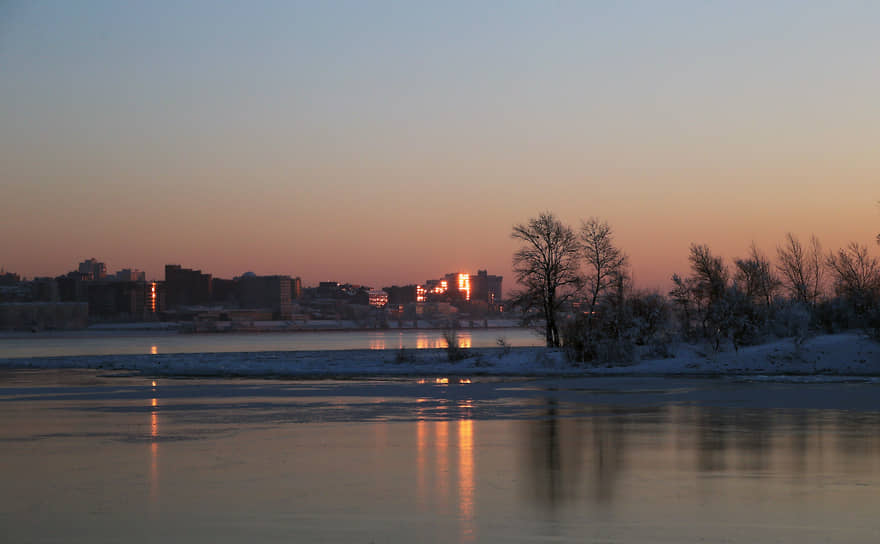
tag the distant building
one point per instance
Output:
(459, 285)
(93, 269)
(328, 289)
(72, 287)
(486, 288)
(124, 300)
(378, 299)
(224, 292)
(45, 290)
(8, 278)
(186, 287)
(480, 287)
(407, 294)
(129, 274)
(296, 288)
(43, 315)
(436, 288)
(266, 292)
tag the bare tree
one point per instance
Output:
(801, 268)
(709, 291)
(605, 262)
(855, 273)
(755, 277)
(547, 268)
(710, 273)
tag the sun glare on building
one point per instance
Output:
(464, 285)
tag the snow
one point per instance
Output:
(827, 357)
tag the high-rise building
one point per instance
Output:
(485, 287)
(479, 287)
(129, 300)
(266, 292)
(186, 287)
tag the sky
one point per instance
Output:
(383, 143)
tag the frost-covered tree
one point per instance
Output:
(546, 266)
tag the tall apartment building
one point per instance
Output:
(479, 287)
(267, 292)
(186, 287)
(130, 300)
(296, 288)
(485, 287)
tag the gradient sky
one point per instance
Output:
(392, 142)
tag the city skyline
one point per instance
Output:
(387, 141)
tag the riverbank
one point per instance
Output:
(843, 355)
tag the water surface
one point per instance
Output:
(140, 343)
(92, 458)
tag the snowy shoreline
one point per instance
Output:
(838, 355)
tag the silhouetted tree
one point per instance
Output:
(801, 269)
(547, 268)
(682, 294)
(711, 279)
(856, 276)
(755, 277)
(604, 261)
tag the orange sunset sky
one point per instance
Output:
(392, 142)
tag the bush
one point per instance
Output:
(454, 351)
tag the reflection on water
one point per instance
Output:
(433, 341)
(584, 459)
(466, 477)
(434, 475)
(95, 343)
(461, 466)
(424, 340)
(154, 449)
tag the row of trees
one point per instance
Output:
(578, 284)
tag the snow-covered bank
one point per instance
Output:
(848, 354)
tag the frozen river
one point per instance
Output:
(91, 458)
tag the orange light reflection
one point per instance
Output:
(466, 477)
(421, 463)
(154, 451)
(442, 442)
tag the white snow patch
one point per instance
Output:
(849, 354)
